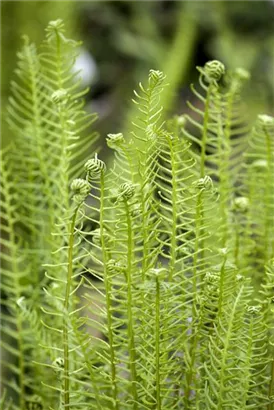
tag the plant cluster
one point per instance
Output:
(145, 284)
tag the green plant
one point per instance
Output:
(159, 269)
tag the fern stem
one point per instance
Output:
(228, 340)
(237, 244)
(190, 371)
(58, 59)
(221, 286)
(131, 336)
(66, 308)
(114, 388)
(157, 345)
(268, 213)
(21, 362)
(198, 244)
(146, 211)
(174, 214)
(223, 154)
(145, 236)
(271, 387)
(64, 159)
(15, 270)
(248, 364)
(205, 129)
(193, 347)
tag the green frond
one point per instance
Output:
(46, 115)
(222, 368)
(16, 336)
(146, 283)
(219, 132)
(259, 232)
(148, 101)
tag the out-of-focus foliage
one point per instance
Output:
(127, 38)
(176, 37)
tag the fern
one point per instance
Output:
(46, 152)
(13, 273)
(259, 166)
(159, 266)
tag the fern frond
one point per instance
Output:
(46, 114)
(259, 232)
(16, 337)
(220, 134)
(222, 377)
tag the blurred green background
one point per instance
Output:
(122, 40)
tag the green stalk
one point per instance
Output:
(19, 324)
(227, 342)
(131, 336)
(205, 128)
(224, 154)
(271, 387)
(193, 347)
(198, 223)
(221, 286)
(145, 234)
(247, 380)
(190, 372)
(237, 244)
(157, 345)
(199, 204)
(64, 159)
(268, 216)
(174, 214)
(108, 299)
(66, 307)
